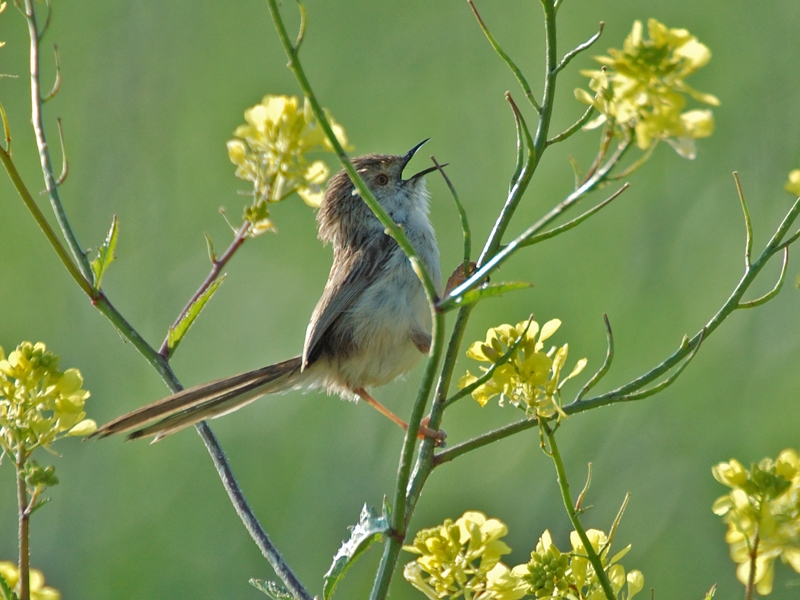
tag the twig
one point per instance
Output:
(500, 257)
(574, 222)
(574, 127)
(506, 58)
(595, 379)
(628, 391)
(44, 154)
(462, 215)
(512, 349)
(578, 49)
(748, 226)
(217, 264)
(64, 160)
(572, 513)
(24, 530)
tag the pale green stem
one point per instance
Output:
(563, 485)
(24, 530)
(161, 365)
(44, 153)
(628, 392)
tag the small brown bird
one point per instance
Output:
(371, 325)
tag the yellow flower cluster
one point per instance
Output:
(37, 401)
(39, 591)
(793, 185)
(642, 88)
(270, 152)
(461, 559)
(762, 512)
(521, 370)
(553, 574)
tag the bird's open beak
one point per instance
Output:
(410, 154)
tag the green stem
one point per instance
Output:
(216, 268)
(391, 227)
(751, 577)
(563, 484)
(161, 365)
(24, 530)
(627, 392)
(484, 268)
(44, 153)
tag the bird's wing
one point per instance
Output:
(353, 273)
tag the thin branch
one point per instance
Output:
(500, 257)
(64, 160)
(637, 164)
(44, 154)
(6, 129)
(57, 83)
(669, 380)
(628, 391)
(574, 222)
(582, 495)
(462, 215)
(363, 191)
(217, 264)
(302, 29)
(774, 292)
(512, 349)
(521, 134)
(578, 49)
(24, 530)
(572, 513)
(506, 58)
(606, 363)
(41, 221)
(748, 226)
(574, 127)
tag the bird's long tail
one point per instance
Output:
(205, 401)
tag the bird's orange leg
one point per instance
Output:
(424, 430)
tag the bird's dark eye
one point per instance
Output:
(382, 179)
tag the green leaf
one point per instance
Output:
(5, 591)
(490, 291)
(271, 589)
(176, 333)
(369, 529)
(711, 592)
(210, 247)
(105, 254)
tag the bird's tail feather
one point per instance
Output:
(205, 401)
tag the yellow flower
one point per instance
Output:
(793, 185)
(555, 575)
(39, 591)
(642, 88)
(530, 377)
(270, 152)
(39, 403)
(463, 557)
(762, 512)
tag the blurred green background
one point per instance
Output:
(152, 90)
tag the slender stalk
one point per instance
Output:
(24, 530)
(366, 195)
(161, 365)
(484, 268)
(403, 506)
(216, 268)
(627, 392)
(506, 58)
(751, 576)
(572, 513)
(44, 153)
